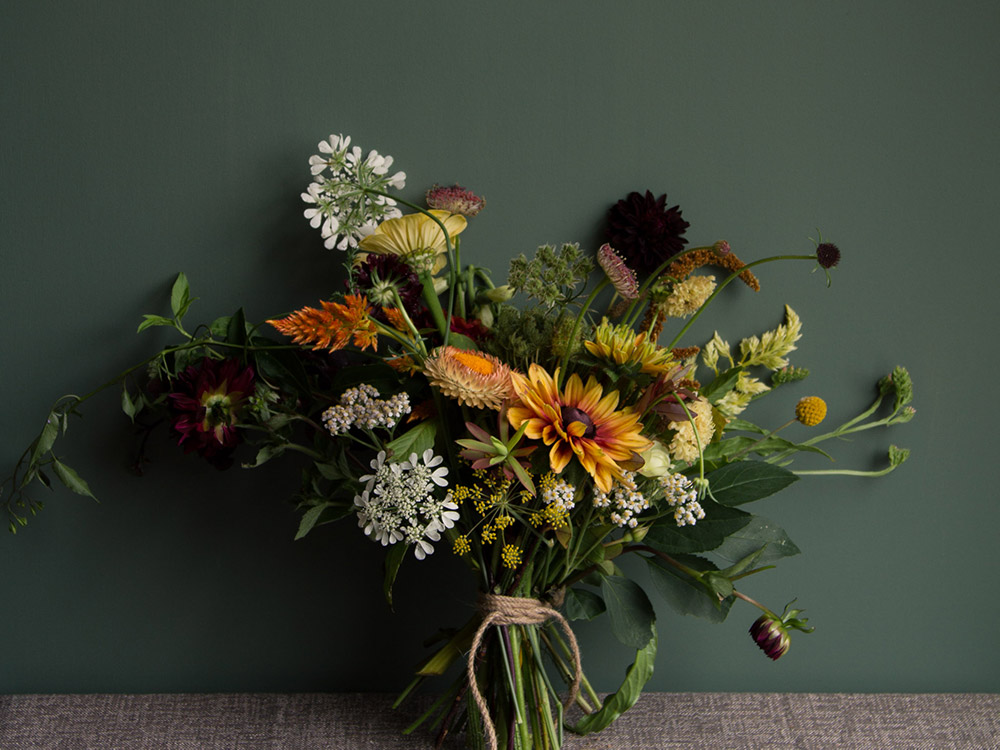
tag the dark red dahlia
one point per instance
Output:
(206, 406)
(380, 274)
(645, 232)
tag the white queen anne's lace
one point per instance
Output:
(342, 205)
(399, 504)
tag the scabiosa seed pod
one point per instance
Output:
(770, 634)
(827, 255)
(456, 199)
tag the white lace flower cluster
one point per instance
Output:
(398, 502)
(362, 407)
(625, 500)
(341, 204)
(681, 495)
(558, 494)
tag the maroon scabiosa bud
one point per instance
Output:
(828, 254)
(456, 199)
(622, 277)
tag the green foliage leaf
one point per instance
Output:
(745, 481)
(415, 440)
(625, 697)
(236, 333)
(752, 537)
(220, 327)
(685, 595)
(309, 519)
(71, 479)
(461, 341)
(582, 604)
(393, 559)
(130, 407)
(155, 320)
(282, 365)
(719, 522)
(632, 615)
(741, 425)
(180, 296)
(723, 384)
(46, 439)
(265, 454)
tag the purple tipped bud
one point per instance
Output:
(828, 254)
(722, 247)
(456, 199)
(770, 634)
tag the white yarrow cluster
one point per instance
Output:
(398, 502)
(681, 495)
(625, 500)
(559, 494)
(341, 206)
(362, 407)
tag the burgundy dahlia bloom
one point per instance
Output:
(645, 232)
(206, 406)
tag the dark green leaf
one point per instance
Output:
(71, 479)
(631, 613)
(309, 519)
(46, 439)
(265, 454)
(461, 341)
(757, 533)
(745, 481)
(237, 331)
(684, 594)
(719, 584)
(719, 522)
(220, 327)
(130, 407)
(723, 384)
(625, 697)
(415, 440)
(582, 604)
(742, 425)
(393, 559)
(282, 365)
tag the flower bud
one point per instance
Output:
(499, 294)
(769, 633)
(657, 461)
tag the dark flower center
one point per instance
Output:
(571, 414)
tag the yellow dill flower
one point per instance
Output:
(489, 534)
(810, 410)
(511, 555)
(461, 545)
(620, 344)
(503, 521)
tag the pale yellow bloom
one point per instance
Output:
(688, 295)
(620, 344)
(415, 238)
(684, 446)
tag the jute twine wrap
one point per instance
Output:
(516, 610)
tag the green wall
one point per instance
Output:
(141, 139)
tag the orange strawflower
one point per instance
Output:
(334, 326)
(580, 421)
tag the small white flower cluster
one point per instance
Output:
(398, 502)
(342, 207)
(625, 499)
(362, 407)
(559, 494)
(681, 495)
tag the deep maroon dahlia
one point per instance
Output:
(206, 406)
(645, 232)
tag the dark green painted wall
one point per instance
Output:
(141, 139)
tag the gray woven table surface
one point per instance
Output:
(348, 720)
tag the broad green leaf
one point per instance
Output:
(393, 559)
(631, 613)
(625, 697)
(130, 407)
(265, 454)
(309, 519)
(759, 532)
(71, 479)
(46, 439)
(461, 341)
(220, 327)
(180, 296)
(723, 383)
(684, 594)
(719, 522)
(719, 584)
(237, 331)
(415, 440)
(742, 425)
(155, 320)
(745, 481)
(582, 604)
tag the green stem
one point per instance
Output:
(725, 283)
(576, 329)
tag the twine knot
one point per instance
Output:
(517, 610)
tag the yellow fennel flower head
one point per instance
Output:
(622, 345)
(810, 410)
(580, 421)
(472, 378)
(415, 238)
(511, 556)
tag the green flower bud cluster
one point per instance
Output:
(551, 276)
(788, 374)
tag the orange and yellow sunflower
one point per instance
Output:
(580, 421)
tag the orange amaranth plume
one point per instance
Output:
(332, 327)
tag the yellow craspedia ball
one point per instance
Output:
(810, 410)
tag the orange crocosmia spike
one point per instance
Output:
(332, 327)
(395, 318)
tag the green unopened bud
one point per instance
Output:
(499, 294)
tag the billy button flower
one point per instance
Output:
(770, 632)
(810, 410)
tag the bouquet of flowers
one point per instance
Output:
(540, 443)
